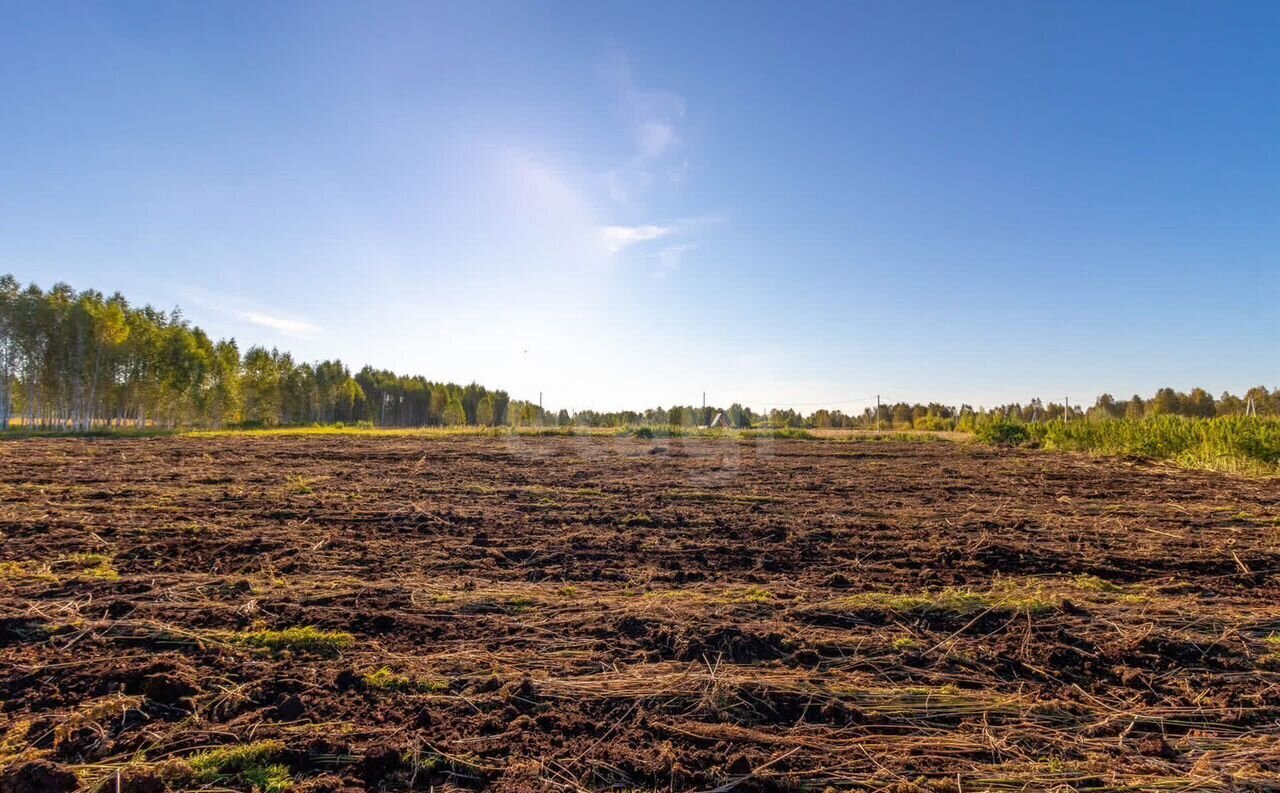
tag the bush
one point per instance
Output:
(933, 424)
(1002, 432)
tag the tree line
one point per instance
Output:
(80, 361)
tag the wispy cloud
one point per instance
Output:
(654, 120)
(654, 138)
(289, 327)
(619, 238)
(675, 236)
(252, 312)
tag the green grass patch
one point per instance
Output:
(1091, 583)
(950, 601)
(753, 594)
(904, 643)
(385, 679)
(251, 764)
(91, 565)
(306, 639)
(26, 571)
(1272, 643)
(79, 565)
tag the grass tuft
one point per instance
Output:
(303, 639)
(949, 601)
(246, 763)
(1091, 583)
(384, 679)
(748, 595)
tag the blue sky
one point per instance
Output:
(624, 205)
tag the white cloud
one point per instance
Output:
(654, 137)
(250, 311)
(654, 121)
(619, 238)
(290, 327)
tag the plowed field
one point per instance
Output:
(592, 613)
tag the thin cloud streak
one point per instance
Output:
(618, 238)
(252, 312)
(290, 327)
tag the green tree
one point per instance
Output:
(484, 411)
(454, 415)
(1165, 402)
(1134, 408)
(1199, 403)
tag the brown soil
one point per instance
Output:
(596, 613)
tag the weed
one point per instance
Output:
(34, 571)
(302, 485)
(1091, 583)
(904, 643)
(303, 639)
(84, 565)
(637, 519)
(385, 679)
(249, 763)
(61, 628)
(748, 595)
(1273, 644)
(92, 565)
(520, 603)
(948, 601)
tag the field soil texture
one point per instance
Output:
(596, 613)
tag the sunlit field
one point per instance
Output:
(324, 608)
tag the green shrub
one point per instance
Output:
(933, 424)
(1002, 432)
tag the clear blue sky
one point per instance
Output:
(626, 204)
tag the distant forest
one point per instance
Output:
(81, 361)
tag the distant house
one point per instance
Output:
(719, 422)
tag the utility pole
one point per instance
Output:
(877, 413)
(1066, 409)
